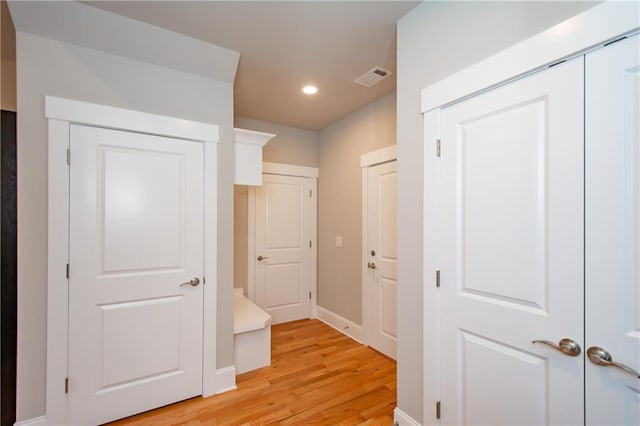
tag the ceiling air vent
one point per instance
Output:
(372, 77)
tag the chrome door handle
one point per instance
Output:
(371, 265)
(566, 346)
(601, 357)
(261, 258)
(193, 282)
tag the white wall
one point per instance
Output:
(435, 40)
(340, 202)
(50, 67)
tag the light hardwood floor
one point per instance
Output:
(317, 376)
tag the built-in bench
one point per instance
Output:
(251, 334)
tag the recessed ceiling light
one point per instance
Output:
(309, 90)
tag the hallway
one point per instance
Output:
(317, 376)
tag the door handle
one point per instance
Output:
(566, 346)
(371, 265)
(261, 258)
(603, 358)
(193, 282)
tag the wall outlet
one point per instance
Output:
(339, 242)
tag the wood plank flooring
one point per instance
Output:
(317, 376)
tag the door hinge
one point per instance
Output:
(310, 245)
(437, 147)
(67, 271)
(66, 385)
(68, 156)
(309, 295)
(438, 410)
(310, 193)
(438, 278)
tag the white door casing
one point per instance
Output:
(283, 247)
(380, 255)
(612, 253)
(61, 114)
(511, 252)
(135, 334)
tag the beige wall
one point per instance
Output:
(49, 67)
(340, 202)
(289, 146)
(473, 31)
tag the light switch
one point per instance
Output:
(338, 241)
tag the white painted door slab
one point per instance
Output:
(136, 234)
(613, 231)
(283, 250)
(511, 255)
(381, 211)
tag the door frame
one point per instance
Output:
(61, 113)
(574, 37)
(296, 171)
(369, 159)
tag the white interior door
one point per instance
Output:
(382, 253)
(511, 252)
(136, 234)
(283, 247)
(613, 231)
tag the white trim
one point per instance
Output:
(289, 170)
(403, 419)
(57, 258)
(61, 113)
(132, 121)
(252, 137)
(226, 379)
(42, 420)
(592, 28)
(313, 236)
(369, 159)
(251, 244)
(379, 156)
(582, 33)
(210, 291)
(430, 263)
(341, 324)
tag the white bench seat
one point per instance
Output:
(251, 334)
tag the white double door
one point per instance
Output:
(136, 238)
(381, 254)
(284, 254)
(539, 247)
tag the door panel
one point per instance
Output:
(282, 239)
(511, 252)
(381, 214)
(613, 230)
(136, 234)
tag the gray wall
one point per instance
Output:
(340, 202)
(290, 146)
(49, 67)
(435, 40)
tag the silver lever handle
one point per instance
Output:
(261, 258)
(601, 357)
(193, 282)
(566, 346)
(371, 265)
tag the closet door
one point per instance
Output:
(613, 233)
(511, 253)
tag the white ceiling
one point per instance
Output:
(284, 45)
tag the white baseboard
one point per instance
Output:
(42, 420)
(341, 324)
(226, 379)
(403, 419)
